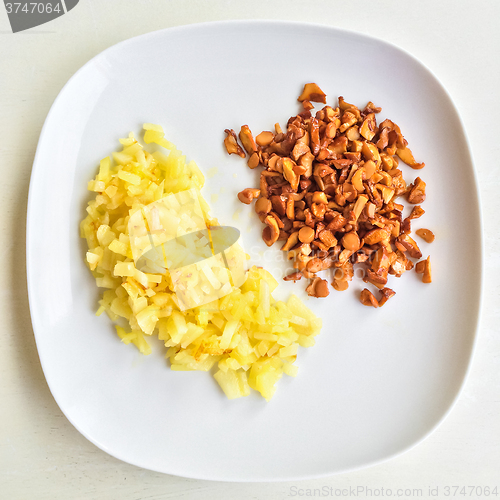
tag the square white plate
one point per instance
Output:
(378, 381)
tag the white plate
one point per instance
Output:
(377, 382)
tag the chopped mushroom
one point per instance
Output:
(386, 294)
(312, 93)
(314, 265)
(329, 189)
(407, 156)
(416, 212)
(424, 267)
(271, 232)
(381, 263)
(293, 277)
(367, 298)
(231, 143)
(369, 127)
(407, 244)
(253, 161)
(401, 264)
(318, 288)
(263, 206)
(264, 139)
(416, 193)
(292, 240)
(376, 236)
(247, 140)
(426, 234)
(247, 195)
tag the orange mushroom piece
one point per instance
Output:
(312, 93)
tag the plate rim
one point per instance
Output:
(30, 217)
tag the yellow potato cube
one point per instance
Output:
(253, 338)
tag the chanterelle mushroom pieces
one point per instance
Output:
(231, 143)
(312, 93)
(368, 299)
(329, 189)
(424, 267)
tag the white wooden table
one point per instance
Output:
(41, 455)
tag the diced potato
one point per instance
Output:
(119, 247)
(265, 298)
(93, 258)
(290, 370)
(124, 269)
(289, 350)
(233, 382)
(104, 174)
(192, 333)
(305, 341)
(147, 319)
(263, 376)
(122, 159)
(252, 338)
(254, 278)
(141, 344)
(228, 333)
(121, 308)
